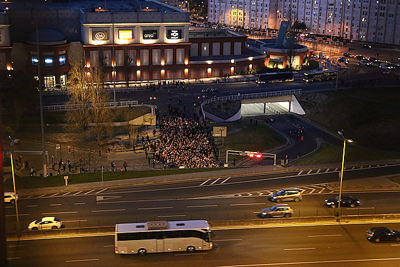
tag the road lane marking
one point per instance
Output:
(309, 172)
(232, 239)
(191, 254)
(77, 193)
(79, 203)
(247, 204)
(310, 262)
(101, 191)
(225, 180)
(203, 206)
(21, 214)
(361, 208)
(299, 248)
(9, 207)
(89, 191)
(55, 204)
(320, 192)
(53, 195)
(395, 245)
(205, 182)
(166, 216)
(60, 212)
(15, 246)
(215, 181)
(300, 173)
(318, 171)
(41, 196)
(71, 261)
(325, 235)
(71, 221)
(108, 246)
(14, 258)
(108, 210)
(327, 170)
(156, 208)
(65, 194)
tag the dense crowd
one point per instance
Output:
(184, 143)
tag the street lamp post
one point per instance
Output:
(12, 142)
(345, 140)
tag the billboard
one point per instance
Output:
(174, 34)
(99, 35)
(125, 34)
(150, 34)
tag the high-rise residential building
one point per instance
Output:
(364, 20)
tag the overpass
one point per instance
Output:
(265, 103)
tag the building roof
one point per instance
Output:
(213, 33)
(47, 37)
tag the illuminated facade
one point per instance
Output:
(5, 48)
(131, 41)
(364, 20)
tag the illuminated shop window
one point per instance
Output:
(35, 60)
(62, 59)
(48, 61)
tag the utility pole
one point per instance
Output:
(41, 102)
(3, 244)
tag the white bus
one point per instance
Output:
(162, 236)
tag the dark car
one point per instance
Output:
(346, 201)
(347, 55)
(280, 210)
(343, 60)
(378, 234)
(360, 57)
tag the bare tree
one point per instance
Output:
(86, 93)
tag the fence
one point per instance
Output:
(119, 104)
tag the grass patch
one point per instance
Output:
(243, 135)
(333, 154)
(27, 182)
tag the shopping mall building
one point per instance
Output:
(132, 41)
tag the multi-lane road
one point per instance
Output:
(342, 245)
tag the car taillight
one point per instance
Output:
(116, 249)
(16, 197)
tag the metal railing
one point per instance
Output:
(66, 107)
(253, 95)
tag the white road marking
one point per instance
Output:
(28, 197)
(108, 210)
(215, 181)
(300, 173)
(21, 214)
(299, 248)
(310, 262)
(353, 167)
(53, 195)
(41, 196)
(225, 180)
(71, 221)
(363, 208)
(55, 204)
(205, 182)
(15, 246)
(166, 216)
(14, 258)
(319, 192)
(204, 206)
(79, 203)
(65, 194)
(77, 193)
(71, 261)
(191, 254)
(309, 171)
(232, 239)
(247, 204)
(395, 245)
(327, 170)
(61, 212)
(9, 207)
(108, 246)
(157, 208)
(336, 169)
(325, 235)
(101, 191)
(318, 171)
(89, 191)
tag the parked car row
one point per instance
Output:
(371, 61)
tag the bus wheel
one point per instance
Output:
(142, 251)
(190, 249)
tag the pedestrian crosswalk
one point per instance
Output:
(64, 194)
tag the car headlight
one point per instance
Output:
(358, 201)
(264, 213)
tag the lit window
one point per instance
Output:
(48, 61)
(62, 59)
(35, 60)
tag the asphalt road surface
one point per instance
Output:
(342, 245)
(219, 198)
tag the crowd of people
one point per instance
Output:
(184, 143)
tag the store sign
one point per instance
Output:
(150, 34)
(174, 34)
(99, 35)
(125, 34)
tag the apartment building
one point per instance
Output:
(364, 20)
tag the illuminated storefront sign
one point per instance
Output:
(174, 34)
(125, 34)
(150, 34)
(99, 35)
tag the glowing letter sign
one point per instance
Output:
(125, 34)
(150, 34)
(99, 36)
(174, 34)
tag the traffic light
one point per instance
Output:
(253, 155)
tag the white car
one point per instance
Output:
(46, 223)
(10, 197)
